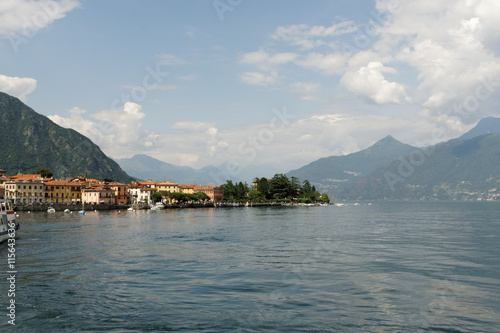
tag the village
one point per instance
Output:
(34, 189)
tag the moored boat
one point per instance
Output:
(7, 220)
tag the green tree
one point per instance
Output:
(241, 191)
(306, 188)
(44, 172)
(156, 197)
(263, 187)
(255, 196)
(230, 190)
(325, 198)
(280, 186)
(201, 196)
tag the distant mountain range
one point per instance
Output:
(146, 167)
(464, 168)
(29, 140)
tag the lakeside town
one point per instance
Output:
(41, 189)
(30, 189)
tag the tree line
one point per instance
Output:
(280, 188)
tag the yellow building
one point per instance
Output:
(188, 188)
(63, 191)
(168, 187)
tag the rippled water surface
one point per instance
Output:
(386, 267)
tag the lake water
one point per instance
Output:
(386, 267)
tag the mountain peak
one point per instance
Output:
(486, 125)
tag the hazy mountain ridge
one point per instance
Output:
(454, 170)
(30, 140)
(463, 168)
(333, 174)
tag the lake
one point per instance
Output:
(381, 267)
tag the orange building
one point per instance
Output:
(215, 193)
(120, 192)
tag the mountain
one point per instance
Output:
(454, 170)
(486, 125)
(146, 167)
(333, 174)
(30, 140)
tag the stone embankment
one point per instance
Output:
(61, 207)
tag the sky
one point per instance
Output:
(253, 84)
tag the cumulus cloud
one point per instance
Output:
(369, 82)
(26, 17)
(116, 131)
(17, 87)
(453, 46)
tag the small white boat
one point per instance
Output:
(67, 210)
(51, 210)
(130, 209)
(8, 222)
(160, 205)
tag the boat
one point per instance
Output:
(7, 221)
(82, 212)
(160, 205)
(51, 210)
(67, 210)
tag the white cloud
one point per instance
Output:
(169, 59)
(192, 125)
(264, 61)
(369, 82)
(307, 91)
(26, 17)
(17, 87)
(259, 79)
(116, 131)
(329, 64)
(453, 47)
(308, 37)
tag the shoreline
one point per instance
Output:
(59, 207)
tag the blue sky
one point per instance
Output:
(276, 84)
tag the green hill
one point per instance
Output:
(29, 140)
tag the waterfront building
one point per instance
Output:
(24, 191)
(101, 194)
(64, 191)
(187, 189)
(141, 192)
(121, 195)
(215, 193)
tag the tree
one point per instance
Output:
(201, 196)
(255, 196)
(44, 172)
(156, 197)
(281, 187)
(325, 198)
(306, 188)
(263, 187)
